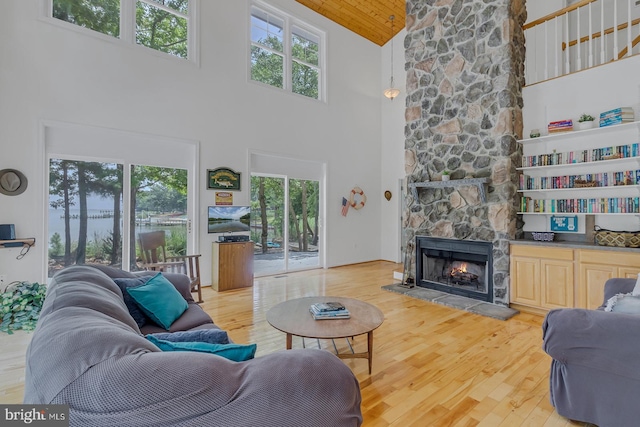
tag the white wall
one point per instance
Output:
(392, 160)
(48, 72)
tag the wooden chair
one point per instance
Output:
(154, 257)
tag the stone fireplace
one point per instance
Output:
(465, 72)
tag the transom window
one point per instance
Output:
(285, 52)
(163, 25)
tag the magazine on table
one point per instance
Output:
(321, 307)
(321, 311)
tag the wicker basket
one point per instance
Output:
(542, 236)
(621, 239)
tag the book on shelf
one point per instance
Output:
(592, 205)
(617, 116)
(560, 126)
(589, 180)
(581, 156)
(619, 110)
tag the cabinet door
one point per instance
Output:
(628, 272)
(525, 281)
(591, 286)
(557, 283)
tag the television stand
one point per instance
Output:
(231, 265)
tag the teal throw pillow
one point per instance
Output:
(235, 352)
(159, 300)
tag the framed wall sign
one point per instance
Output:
(564, 223)
(224, 198)
(223, 179)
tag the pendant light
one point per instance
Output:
(392, 92)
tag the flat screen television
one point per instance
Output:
(227, 219)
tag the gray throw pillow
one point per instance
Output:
(210, 336)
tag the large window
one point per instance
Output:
(285, 53)
(107, 186)
(163, 25)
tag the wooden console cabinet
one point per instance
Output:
(542, 277)
(596, 267)
(548, 277)
(231, 265)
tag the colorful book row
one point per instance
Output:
(582, 156)
(597, 205)
(604, 179)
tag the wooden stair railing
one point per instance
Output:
(624, 51)
(608, 31)
(557, 14)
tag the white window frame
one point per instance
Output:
(289, 23)
(127, 34)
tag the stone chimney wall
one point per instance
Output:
(465, 72)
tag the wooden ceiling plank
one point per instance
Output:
(368, 18)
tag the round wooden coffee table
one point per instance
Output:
(293, 318)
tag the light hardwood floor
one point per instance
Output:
(432, 365)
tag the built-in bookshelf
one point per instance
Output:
(593, 171)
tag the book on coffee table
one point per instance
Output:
(322, 307)
(321, 311)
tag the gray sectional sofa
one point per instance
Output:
(595, 372)
(88, 352)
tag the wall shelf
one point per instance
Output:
(580, 133)
(630, 161)
(476, 182)
(17, 243)
(609, 188)
(580, 213)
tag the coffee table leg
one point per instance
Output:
(370, 348)
(289, 340)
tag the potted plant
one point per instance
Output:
(586, 121)
(21, 303)
(446, 175)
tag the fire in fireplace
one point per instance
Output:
(460, 267)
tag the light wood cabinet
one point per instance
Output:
(546, 277)
(231, 265)
(542, 277)
(596, 267)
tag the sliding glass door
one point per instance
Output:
(304, 213)
(276, 201)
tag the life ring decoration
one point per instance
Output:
(357, 198)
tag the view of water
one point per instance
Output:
(101, 227)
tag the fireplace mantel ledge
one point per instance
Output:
(478, 182)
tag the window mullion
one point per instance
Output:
(192, 41)
(166, 9)
(127, 20)
(287, 72)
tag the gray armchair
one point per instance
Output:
(595, 372)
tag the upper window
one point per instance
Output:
(163, 25)
(285, 53)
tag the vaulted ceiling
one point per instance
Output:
(368, 18)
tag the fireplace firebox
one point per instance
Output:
(459, 267)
